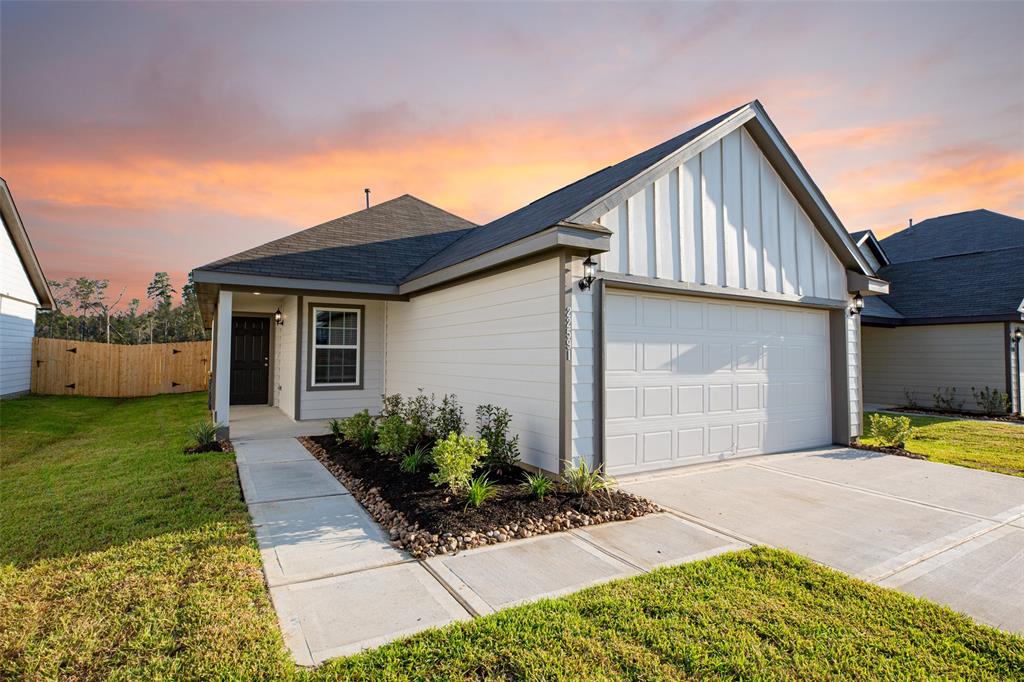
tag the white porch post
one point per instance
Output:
(222, 379)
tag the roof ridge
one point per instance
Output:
(961, 254)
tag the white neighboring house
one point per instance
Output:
(23, 290)
(720, 320)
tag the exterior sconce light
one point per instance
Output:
(858, 304)
(589, 273)
(1017, 335)
(278, 317)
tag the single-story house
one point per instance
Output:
(953, 319)
(23, 291)
(692, 303)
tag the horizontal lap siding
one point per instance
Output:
(723, 218)
(924, 358)
(491, 340)
(285, 356)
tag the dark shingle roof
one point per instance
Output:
(858, 235)
(961, 265)
(378, 245)
(959, 233)
(550, 209)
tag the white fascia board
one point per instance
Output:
(865, 284)
(299, 285)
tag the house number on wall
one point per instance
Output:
(568, 333)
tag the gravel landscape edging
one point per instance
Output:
(422, 544)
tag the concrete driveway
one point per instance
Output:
(947, 533)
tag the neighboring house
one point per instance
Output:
(955, 307)
(718, 324)
(23, 290)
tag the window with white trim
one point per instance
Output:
(336, 346)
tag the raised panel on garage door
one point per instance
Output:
(691, 380)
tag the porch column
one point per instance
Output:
(222, 377)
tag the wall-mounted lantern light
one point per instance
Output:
(1017, 335)
(278, 317)
(858, 304)
(589, 273)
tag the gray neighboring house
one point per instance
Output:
(953, 318)
(692, 303)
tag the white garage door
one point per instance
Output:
(690, 379)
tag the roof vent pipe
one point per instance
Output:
(910, 222)
(367, 190)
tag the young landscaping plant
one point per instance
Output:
(203, 435)
(335, 425)
(449, 418)
(480, 490)
(395, 436)
(992, 401)
(391, 404)
(360, 429)
(945, 399)
(537, 485)
(891, 431)
(455, 457)
(492, 425)
(583, 481)
(419, 414)
(415, 460)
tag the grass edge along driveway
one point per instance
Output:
(977, 444)
(123, 558)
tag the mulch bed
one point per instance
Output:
(888, 450)
(426, 520)
(957, 413)
(216, 446)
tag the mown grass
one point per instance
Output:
(124, 559)
(988, 445)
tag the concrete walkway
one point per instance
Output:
(953, 535)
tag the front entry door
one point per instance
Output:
(250, 360)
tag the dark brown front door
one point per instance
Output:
(250, 360)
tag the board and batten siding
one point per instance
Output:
(724, 218)
(18, 303)
(338, 403)
(583, 342)
(492, 340)
(923, 358)
(854, 374)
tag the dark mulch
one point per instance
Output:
(888, 450)
(216, 446)
(436, 511)
(958, 413)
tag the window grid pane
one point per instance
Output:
(336, 340)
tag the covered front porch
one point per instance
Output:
(258, 422)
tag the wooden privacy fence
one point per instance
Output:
(61, 367)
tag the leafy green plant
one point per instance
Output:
(583, 480)
(391, 404)
(945, 398)
(455, 457)
(910, 398)
(415, 460)
(419, 413)
(537, 485)
(992, 401)
(360, 429)
(395, 436)
(492, 425)
(203, 434)
(480, 490)
(449, 418)
(890, 430)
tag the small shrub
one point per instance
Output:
(910, 398)
(992, 401)
(203, 434)
(890, 430)
(449, 418)
(415, 460)
(419, 413)
(945, 399)
(492, 425)
(391, 404)
(360, 429)
(335, 425)
(537, 485)
(582, 480)
(395, 436)
(480, 490)
(455, 457)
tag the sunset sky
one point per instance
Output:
(161, 136)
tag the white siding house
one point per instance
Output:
(23, 290)
(717, 321)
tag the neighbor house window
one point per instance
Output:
(336, 337)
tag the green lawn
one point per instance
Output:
(989, 445)
(121, 558)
